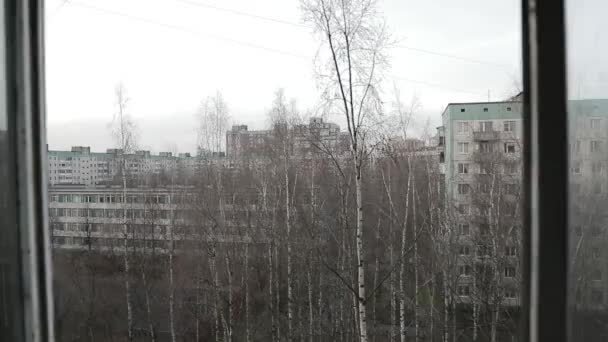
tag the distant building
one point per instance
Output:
(82, 217)
(480, 143)
(81, 166)
(309, 138)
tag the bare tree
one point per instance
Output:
(123, 130)
(355, 38)
(214, 117)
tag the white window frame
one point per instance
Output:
(509, 126)
(463, 147)
(463, 168)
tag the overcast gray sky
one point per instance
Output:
(171, 54)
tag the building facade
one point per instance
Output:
(81, 166)
(304, 139)
(480, 152)
(97, 218)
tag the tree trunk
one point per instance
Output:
(171, 285)
(126, 253)
(416, 286)
(216, 299)
(311, 318)
(402, 330)
(376, 276)
(289, 247)
(230, 318)
(446, 308)
(246, 276)
(360, 256)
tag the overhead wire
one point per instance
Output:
(185, 29)
(242, 13)
(290, 23)
(239, 42)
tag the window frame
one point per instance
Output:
(545, 167)
(545, 177)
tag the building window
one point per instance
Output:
(509, 272)
(485, 169)
(510, 294)
(485, 126)
(464, 250)
(483, 250)
(464, 270)
(596, 146)
(463, 127)
(576, 168)
(511, 189)
(597, 296)
(511, 169)
(485, 147)
(463, 209)
(508, 109)
(464, 290)
(595, 123)
(511, 251)
(596, 168)
(484, 230)
(509, 148)
(463, 147)
(463, 189)
(485, 109)
(463, 168)
(462, 110)
(484, 188)
(509, 126)
(464, 229)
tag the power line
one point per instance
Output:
(246, 14)
(460, 58)
(238, 42)
(285, 22)
(435, 85)
(185, 29)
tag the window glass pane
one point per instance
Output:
(207, 183)
(587, 70)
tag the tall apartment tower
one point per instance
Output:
(480, 155)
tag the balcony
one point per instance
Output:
(486, 135)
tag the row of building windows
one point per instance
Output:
(465, 127)
(510, 168)
(118, 243)
(482, 250)
(138, 229)
(487, 147)
(465, 290)
(595, 146)
(111, 198)
(467, 270)
(114, 213)
(485, 188)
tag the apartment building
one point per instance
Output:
(480, 154)
(84, 217)
(589, 196)
(81, 166)
(306, 139)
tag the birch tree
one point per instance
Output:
(355, 38)
(123, 130)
